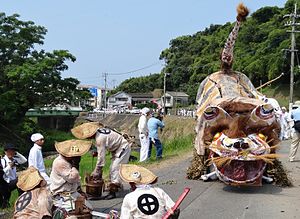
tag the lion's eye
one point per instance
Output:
(211, 113)
(262, 137)
(217, 135)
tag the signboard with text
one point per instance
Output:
(94, 91)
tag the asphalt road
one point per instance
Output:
(217, 200)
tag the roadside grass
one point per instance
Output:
(171, 148)
(52, 136)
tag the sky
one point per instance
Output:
(121, 37)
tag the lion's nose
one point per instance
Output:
(237, 145)
(240, 145)
(244, 145)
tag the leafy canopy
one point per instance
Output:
(30, 77)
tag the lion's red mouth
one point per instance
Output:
(238, 171)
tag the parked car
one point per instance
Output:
(135, 110)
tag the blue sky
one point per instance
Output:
(121, 36)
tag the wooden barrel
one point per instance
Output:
(94, 188)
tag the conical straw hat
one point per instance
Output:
(86, 130)
(73, 148)
(136, 174)
(29, 179)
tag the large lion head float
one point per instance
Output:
(236, 132)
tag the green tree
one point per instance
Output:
(30, 77)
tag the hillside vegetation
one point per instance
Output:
(259, 53)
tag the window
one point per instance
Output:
(168, 100)
(122, 99)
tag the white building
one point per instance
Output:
(120, 99)
(173, 97)
(98, 93)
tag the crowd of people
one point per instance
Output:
(55, 196)
(186, 112)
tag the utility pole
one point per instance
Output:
(105, 87)
(165, 82)
(293, 24)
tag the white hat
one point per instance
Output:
(37, 136)
(145, 110)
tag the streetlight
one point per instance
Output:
(165, 80)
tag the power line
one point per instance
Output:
(129, 72)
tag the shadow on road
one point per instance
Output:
(265, 189)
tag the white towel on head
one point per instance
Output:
(37, 136)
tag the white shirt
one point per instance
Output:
(143, 129)
(35, 159)
(152, 200)
(11, 173)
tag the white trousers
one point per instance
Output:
(294, 145)
(144, 147)
(115, 164)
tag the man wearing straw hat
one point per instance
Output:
(36, 201)
(65, 178)
(145, 201)
(35, 157)
(112, 141)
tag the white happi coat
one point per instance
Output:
(120, 148)
(65, 181)
(64, 177)
(33, 204)
(146, 202)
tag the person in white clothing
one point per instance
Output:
(284, 123)
(65, 178)
(107, 140)
(35, 157)
(9, 162)
(143, 134)
(120, 148)
(146, 200)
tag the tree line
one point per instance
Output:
(259, 53)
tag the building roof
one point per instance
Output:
(141, 95)
(116, 94)
(177, 94)
(92, 86)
